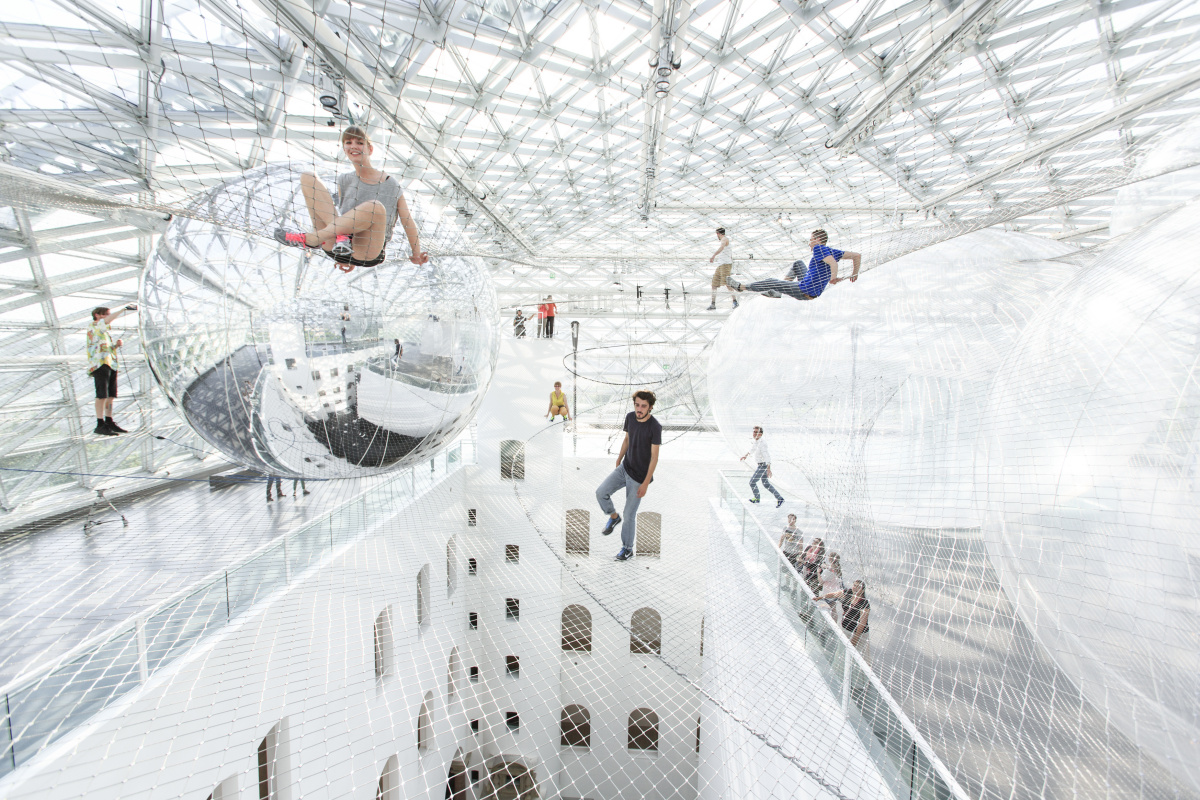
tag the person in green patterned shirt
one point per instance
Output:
(103, 366)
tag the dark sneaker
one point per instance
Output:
(732, 284)
(735, 305)
(624, 555)
(290, 238)
(102, 429)
(755, 500)
(612, 525)
(307, 493)
(114, 426)
(777, 505)
(713, 307)
(342, 247)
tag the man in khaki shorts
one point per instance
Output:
(724, 268)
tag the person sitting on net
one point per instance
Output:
(355, 232)
(558, 403)
(822, 271)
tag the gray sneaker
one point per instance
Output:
(732, 284)
(771, 293)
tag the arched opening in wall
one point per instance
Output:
(697, 734)
(226, 790)
(643, 730)
(472, 566)
(272, 775)
(453, 674)
(423, 610)
(577, 525)
(425, 724)
(512, 666)
(456, 779)
(509, 780)
(451, 565)
(512, 460)
(575, 727)
(645, 632)
(649, 534)
(389, 780)
(512, 553)
(384, 644)
(577, 629)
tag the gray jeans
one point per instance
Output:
(761, 474)
(789, 288)
(617, 480)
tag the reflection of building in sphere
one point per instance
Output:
(871, 393)
(287, 365)
(1090, 466)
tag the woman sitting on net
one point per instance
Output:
(558, 403)
(355, 231)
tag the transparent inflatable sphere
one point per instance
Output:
(1089, 465)
(1167, 181)
(289, 366)
(870, 395)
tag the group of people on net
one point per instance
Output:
(546, 312)
(821, 573)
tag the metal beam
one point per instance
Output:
(1117, 117)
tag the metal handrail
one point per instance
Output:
(105, 667)
(823, 626)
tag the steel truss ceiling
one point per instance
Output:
(589, 147)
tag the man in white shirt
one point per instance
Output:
(760, 456)
(724, 260)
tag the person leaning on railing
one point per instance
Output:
(856, 611)
(791, 542)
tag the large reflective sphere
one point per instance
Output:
(1090, 467)
(871, 394)
(289, 366)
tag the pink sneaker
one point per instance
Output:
(290, 238)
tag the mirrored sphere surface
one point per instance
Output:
(289, 366)
(1089, 464)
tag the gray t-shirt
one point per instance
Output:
(353, 192)
(793, 542)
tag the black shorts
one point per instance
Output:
(358, 262)
(106, 382)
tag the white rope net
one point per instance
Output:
(995, 429)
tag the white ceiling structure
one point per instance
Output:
(582, 143)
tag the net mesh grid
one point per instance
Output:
(117, 116)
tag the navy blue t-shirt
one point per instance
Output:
(641, 436)
(816, 278)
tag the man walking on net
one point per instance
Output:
(724, 259)
(822, 271)
(760, 456)
(634, 472)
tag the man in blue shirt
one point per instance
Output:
(822, 270)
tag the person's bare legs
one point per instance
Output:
(365, 223)
(321, 209)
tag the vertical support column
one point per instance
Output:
(140, 639)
